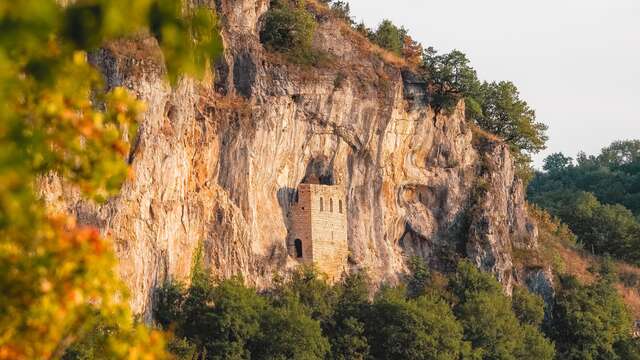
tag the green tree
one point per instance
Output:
(489, 325)
(488, 319)
(613, 176)
(58, 278)
(346, 332)
(424, 328)
(222, 319)
(234, 320)
(590, 321)
(314, 293)
(167, 309)
(535, 345)
(556, 162)
(620, 153)
(420, 277)
(348, 339)
(289, 29)
(468, 281)
(628, 349)
(342, 10)
(508, 116)
(389, 36)
(287, 332)
(494, 106)
(528, 307)
(604, 228)
(452, 78)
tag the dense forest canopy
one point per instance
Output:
(463, 315)
(306, 318)
(613, 176)
(598, 196)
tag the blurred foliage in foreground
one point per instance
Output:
(58, 279)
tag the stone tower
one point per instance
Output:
(318, 232)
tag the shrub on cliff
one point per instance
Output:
(389, 36)
(289, 29)
(342, 10)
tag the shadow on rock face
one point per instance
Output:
(286, 197)
(244, 74)
(319, 171)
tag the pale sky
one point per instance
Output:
(576, 62)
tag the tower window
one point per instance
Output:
(340, 206)
(321, 205)
(298, 245)
(331, 204)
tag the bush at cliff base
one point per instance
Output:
(58, 279)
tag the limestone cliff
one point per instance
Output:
(216, 163)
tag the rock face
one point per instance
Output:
(216, 163)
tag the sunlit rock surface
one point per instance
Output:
(216, 162)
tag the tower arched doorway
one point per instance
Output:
(298, 245)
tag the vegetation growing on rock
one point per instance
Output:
(289, 29)
(495, 107)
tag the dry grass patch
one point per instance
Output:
(558, 249)
(481, 134)
(142, 47)
(362, 42)
(365, 45)
(631, 298)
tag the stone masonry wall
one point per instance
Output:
(300, 224)
(329, 230)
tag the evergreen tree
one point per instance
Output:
(390, 37)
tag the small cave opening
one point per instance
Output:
(319, 171)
